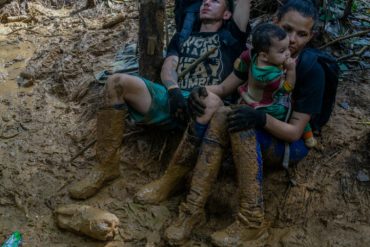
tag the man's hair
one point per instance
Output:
(305, 7)
(263, 34)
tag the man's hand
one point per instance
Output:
(196, 105)
(244, 118)
(178, 107)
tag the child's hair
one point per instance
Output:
(263, 34)
(304, 7)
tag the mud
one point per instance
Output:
(41, 129)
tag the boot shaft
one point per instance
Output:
(187, 151)
(110, 128)
(248, 162)
(209, 159)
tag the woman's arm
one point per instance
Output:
(291, 131)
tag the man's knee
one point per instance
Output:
(212, 101)
(116, 84)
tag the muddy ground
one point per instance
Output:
(43, 125)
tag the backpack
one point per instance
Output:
(331, 69)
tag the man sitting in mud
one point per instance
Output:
(162, 104)
(255, 136)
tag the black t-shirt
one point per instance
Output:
(309, 89)
(229, 41)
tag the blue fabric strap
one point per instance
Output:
(200, 129)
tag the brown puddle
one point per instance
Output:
(14, 55)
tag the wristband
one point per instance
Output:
(288, 87)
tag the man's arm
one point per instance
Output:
(291, 131)
(227, 87)
(169, 75)
(241, 14)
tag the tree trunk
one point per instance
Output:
(151, 23)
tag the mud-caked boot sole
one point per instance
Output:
(237, 234)
(153, 193)
(162, 188)
(87, 220)
(91, 184)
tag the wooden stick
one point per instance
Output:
(23, 28)
(196, 62)
(83, 150)
(345, 37)
(359, 19)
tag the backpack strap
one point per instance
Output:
(187, 19)
(330, 67)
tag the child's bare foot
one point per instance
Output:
(310, 142)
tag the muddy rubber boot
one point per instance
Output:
(191, 212)
(180, 165)
(250, 224)
(110, 127)
(87, 220)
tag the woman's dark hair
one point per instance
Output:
(304, 7)
(263, 34)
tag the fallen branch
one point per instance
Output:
(360, 19)
(196, 62)
(83, 150)
(119, 18)
(23, 28)
(163, 149)
(19, 18)
(366, 123)
(354, 54)
(83, 21)
(345, 37)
